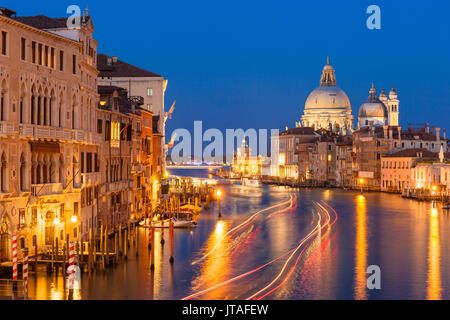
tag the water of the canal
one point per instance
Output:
(408, 240)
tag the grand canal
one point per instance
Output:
(279, 243)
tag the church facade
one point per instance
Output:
(328, 107)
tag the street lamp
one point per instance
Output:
(218, 196)
(434, 188)
(361, 182)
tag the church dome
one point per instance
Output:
(373, 107)
(328, 107)
(328, 97)
(373, 111)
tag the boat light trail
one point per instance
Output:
(304, 240)
(309, 237)
(250, 219)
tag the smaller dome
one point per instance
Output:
(373, 107)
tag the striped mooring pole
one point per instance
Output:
(25, 274)
(14, 253)
(71, 269)
(14, 256)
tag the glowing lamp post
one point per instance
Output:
(218, 196)
(361, 182)
(433, 193)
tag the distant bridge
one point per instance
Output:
(196, 167)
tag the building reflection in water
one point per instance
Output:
(434, 256)
(361, 249)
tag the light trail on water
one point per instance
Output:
(299, 256)
(250, 219)
(302, 242)
(314, 232)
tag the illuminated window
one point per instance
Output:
(282, 159)
(115, 134)
(149, 92)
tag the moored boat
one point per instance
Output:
(251, 182)
(166, 223)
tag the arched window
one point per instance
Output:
(38, 173)
(39, 109)
(33, 106)
(23, 170)
(45, 122)
(3, 175)
(3, 101)
(51, 169)
(60, 114)
(4, 239)
(61, 170)
(22, 107)
(45, 171)
(75, 113)
(52, 109)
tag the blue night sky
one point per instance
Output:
(242, 64)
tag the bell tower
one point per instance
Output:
(393, 104)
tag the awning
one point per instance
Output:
(49, 147)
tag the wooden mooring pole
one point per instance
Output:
(152, 252)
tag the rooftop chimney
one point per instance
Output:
(7, 12)
(114, 59)
(438, 134)
(391, 133)
(399, 133)
(385, 128)
(445, 134)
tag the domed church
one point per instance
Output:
(328, 107)
(379, 111)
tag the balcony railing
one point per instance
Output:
(6, 127)
(119, 185)
(54, 133)
(48, 189)
(90, 178)
(136, 100)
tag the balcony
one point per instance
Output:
(136, 100)
(90, 178)
(49, 189)
(32, 131)
(6, 127)
(119, 185)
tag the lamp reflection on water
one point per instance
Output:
(434, 256)
(361, 249)
(216, 268)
